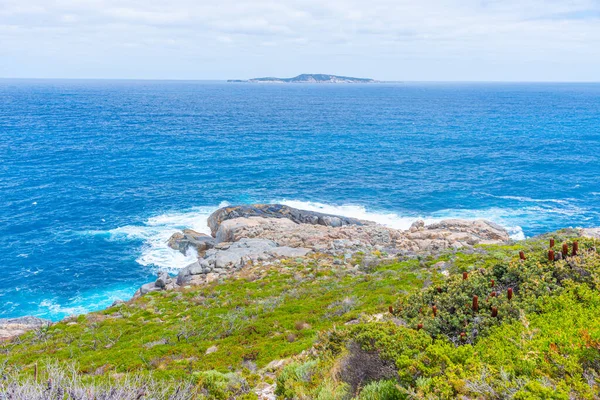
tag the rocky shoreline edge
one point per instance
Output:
(243, 236)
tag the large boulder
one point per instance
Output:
(182, 241)
(278, 211)
(593, 233)
(163, 282)
(10, 328)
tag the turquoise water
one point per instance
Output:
(96, 175)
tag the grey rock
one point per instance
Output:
(182, 241)
(277, 211)
(249, 365)
(149, 287)
(163, 280)
(593, 233)
(196, 268)
(156, 343)
(276, 365)
(289, 252)
(441, 266)
(234, 256)
(417, 225)
(13, 327)
(174, 240)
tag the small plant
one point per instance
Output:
(465, 276)
(565, 249)
(291, 338)
(550, 255)
(381, 390)
(522, 255)
(509, 294)
(551, 242)
(475, 303)
(575, 248)
(301, 325)
(494, 312)
(434, 309)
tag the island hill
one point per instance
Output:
(308, 78)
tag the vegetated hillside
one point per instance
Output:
(332, 326)
(499, 327)
(309, 78)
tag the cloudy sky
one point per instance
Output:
(465, 40)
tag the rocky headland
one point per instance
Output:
(264, 234)
(246, 235)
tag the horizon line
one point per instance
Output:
(376, 81)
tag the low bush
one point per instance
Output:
(544, 342)
(382, 390)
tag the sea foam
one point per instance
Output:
(156, 231)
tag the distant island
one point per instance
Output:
(308, 78)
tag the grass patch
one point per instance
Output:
(269, 314)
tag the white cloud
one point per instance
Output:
(386, 39)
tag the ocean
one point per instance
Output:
(96, 175)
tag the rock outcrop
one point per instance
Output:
(246, 235)
(364, 237)
(222, 261)
(182, 241)
(10, 328)
(229, 257)
(163, 282)
(593, 233)
(277, 211)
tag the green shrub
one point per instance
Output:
(219, 386)
(295, 379)
(544, 343)
(382, 390)
(530, 280)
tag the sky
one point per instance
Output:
(401, 40)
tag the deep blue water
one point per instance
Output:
(95, 175)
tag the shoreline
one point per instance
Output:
(267, 310)
(353, 210)
(242, 236)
